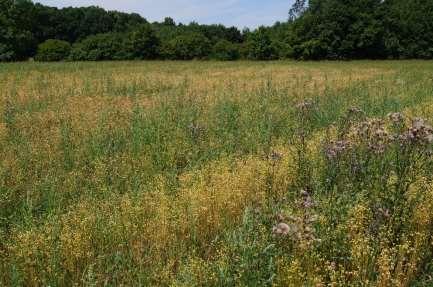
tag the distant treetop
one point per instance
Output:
(314, 30)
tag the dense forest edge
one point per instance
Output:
(314, 30)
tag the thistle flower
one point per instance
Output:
(419, 133)
(282, 229)
(396, 117)
(377, 148)
(307, 201)
(304, 193)
(418, 123)
(384, 212)
(335, 149)
(300, 229)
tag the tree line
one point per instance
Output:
(315, 29)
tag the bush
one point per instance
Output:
(225, 51)
(101, 47)
(311, 50)
(6, 53)
(260, 46)
(17, 40)
(282, 49)
(143, 43)
(53, 50)
(187, 47)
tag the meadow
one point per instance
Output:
(216, 174)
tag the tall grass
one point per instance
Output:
(216, 174)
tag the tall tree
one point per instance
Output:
(298, 8)
(339, 29)
(144, 43)
(408, 28)
(16, 38)
(259, 45)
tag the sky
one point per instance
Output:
(239, 13)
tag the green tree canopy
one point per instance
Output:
(187, 47)
(53, 50)
(100, 47)
(144, 43)
(225, 51)
(16, 38)
(339, 29)
(260, 46)
(314, 30)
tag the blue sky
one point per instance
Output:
(240, 13)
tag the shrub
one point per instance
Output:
(311, 50)
(143, 43)
(110, 46)
(187, 47)
(282, 49)
(53, 50)
(225, 51)
(6, 53)
(260, 46)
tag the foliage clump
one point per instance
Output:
(224, 50)
(143, 42)
(314, 30)
(187, 47)
(53, 50)
(100, 47)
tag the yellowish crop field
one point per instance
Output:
(216, 174)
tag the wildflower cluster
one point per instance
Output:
(364, 146)
(335, 148)
(377, 134)
(300, 228)
(305, 119)
(419, 133)
(380, 159)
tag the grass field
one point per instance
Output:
(216, 174)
